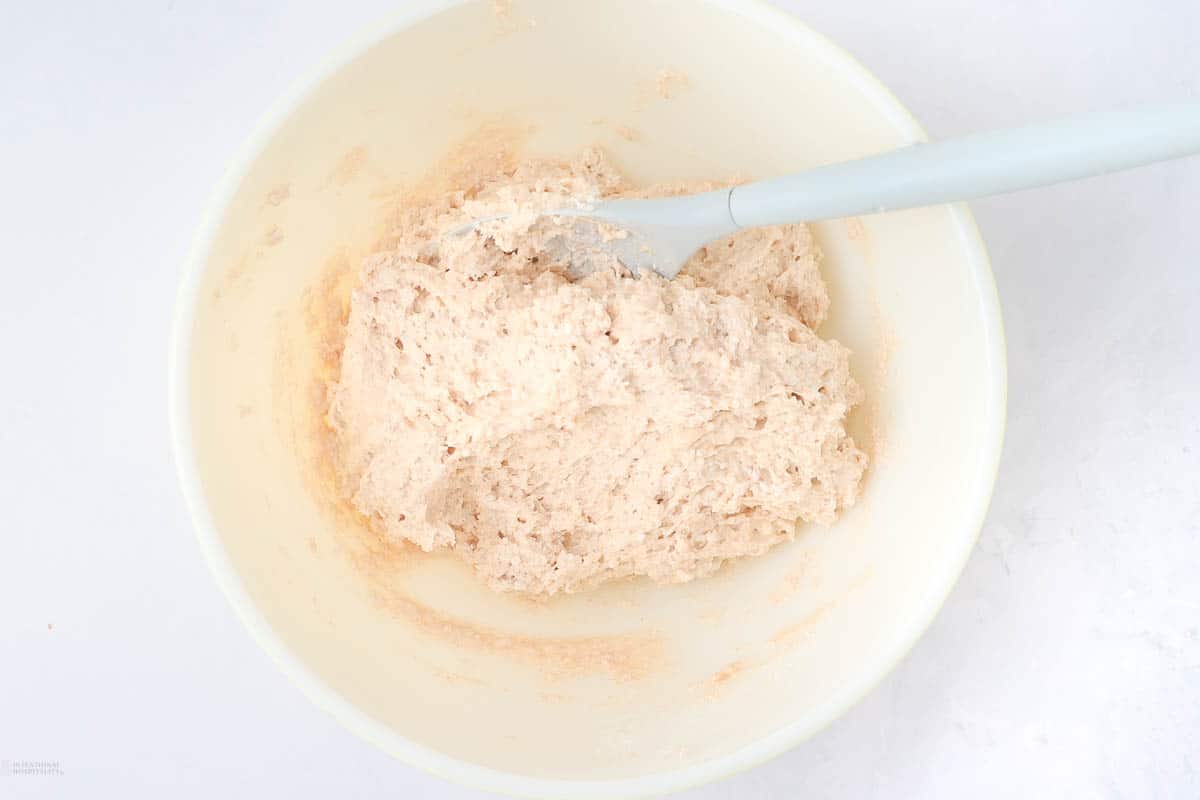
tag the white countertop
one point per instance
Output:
(1066, 662)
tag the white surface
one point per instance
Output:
(1067, 661)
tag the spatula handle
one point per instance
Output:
(973, 166)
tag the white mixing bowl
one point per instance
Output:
(633, 689)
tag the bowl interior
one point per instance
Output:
(634, 679)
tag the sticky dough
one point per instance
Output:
(557, 434)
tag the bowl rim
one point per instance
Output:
(783, 24)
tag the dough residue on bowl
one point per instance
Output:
(557, 433)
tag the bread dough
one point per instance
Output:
(557, 434)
